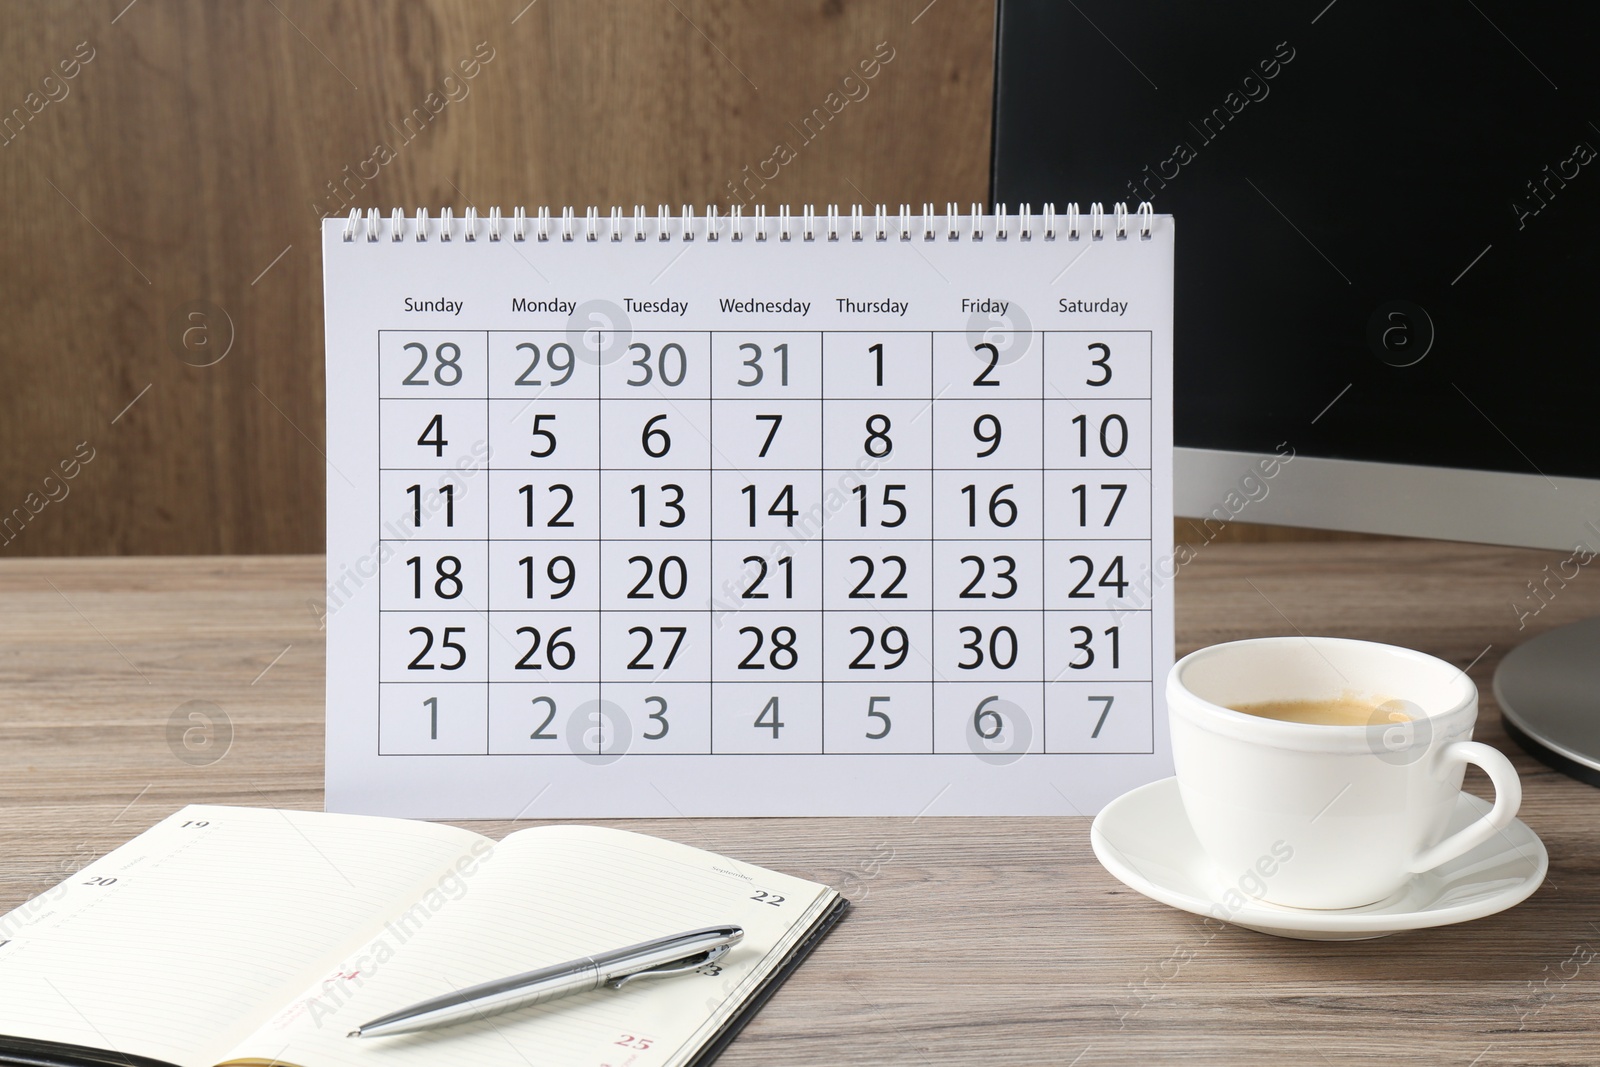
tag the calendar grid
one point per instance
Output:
(489, 583)
(923, 487)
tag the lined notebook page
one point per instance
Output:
(186, 938)
(554, 894)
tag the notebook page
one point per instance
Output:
(180, 941)
(554, 894)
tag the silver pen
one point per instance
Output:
(678, 954)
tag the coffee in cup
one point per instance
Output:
(1348, 806)
(1346, 710)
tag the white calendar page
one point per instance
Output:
(693, 527)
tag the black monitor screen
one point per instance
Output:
(1386, 213)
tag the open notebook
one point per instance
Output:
(255, 936)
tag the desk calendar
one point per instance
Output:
(751, 514)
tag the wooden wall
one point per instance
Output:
(159, 208)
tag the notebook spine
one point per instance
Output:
(759, 225)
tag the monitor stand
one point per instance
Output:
(1549, 694)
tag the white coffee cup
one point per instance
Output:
(1315, 816)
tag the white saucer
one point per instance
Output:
(1144, 839)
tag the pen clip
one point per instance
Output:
(691, 963)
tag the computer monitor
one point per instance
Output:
(1387, 251)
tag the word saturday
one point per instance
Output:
(1116, 307)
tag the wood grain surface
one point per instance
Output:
(973, 940)
(183, 168)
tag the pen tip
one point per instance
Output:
(353, 1033)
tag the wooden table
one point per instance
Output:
(973, 940)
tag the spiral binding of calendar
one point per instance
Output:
(758, 225)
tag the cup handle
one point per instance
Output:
(1507, 799)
